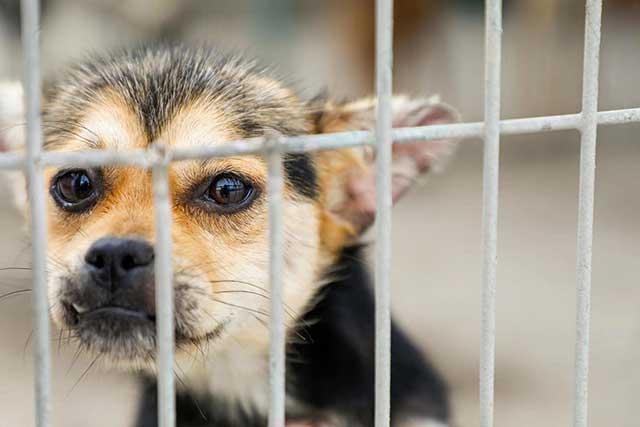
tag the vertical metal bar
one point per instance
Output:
(585, 205)
(493, 53)
(384, 78)
(30, 40)
(276, 327)
(164, 291)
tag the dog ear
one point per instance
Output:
(347, 176)
(12, 137)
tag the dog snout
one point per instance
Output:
(115, 263)
(117, 272)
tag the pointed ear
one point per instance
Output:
(12, 135)
(347, 176)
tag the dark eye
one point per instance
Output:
(74, 190)
(229, 192)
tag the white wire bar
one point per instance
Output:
(163, 265)
(306, 143)
(588, 129)
(384, 76)
(493, 52)
(42, 372)
(275, 185)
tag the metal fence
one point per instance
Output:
(158, 158)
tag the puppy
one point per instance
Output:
(101, 236)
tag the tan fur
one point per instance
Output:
(335, 168)
(212, 248)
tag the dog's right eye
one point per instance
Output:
(75, 190)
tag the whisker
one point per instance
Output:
(251, 310)
(26, 344)
(262, 322)
(288, 309)
(30, 336)
(266, 326)
(76, 356)
(65, 131)
(15, 268)
(14, 293)
(200, 350)
(60, 340)
(86, 371)
(203, 293)
(193, 399)
(56, 125)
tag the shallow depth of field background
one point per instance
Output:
(436, 241)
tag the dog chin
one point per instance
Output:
(121, 335)
(126, 338)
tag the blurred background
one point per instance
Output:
(436, 242)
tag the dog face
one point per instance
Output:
(101, 220)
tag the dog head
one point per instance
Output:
(100, 220)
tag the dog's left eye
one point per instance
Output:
(229, 192)
(75, 190)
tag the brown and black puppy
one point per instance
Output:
(101, 238)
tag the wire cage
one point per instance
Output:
(158, 158)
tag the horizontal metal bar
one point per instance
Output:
(12, 161)
(92, 158)
(328, 141)
(616, 117)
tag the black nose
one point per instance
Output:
(115, 262)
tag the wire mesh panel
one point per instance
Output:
(158, 159)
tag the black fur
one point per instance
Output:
(301, 172)
(195, 411)
(332, 372)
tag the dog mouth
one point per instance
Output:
(124, 333)
(84, 314)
